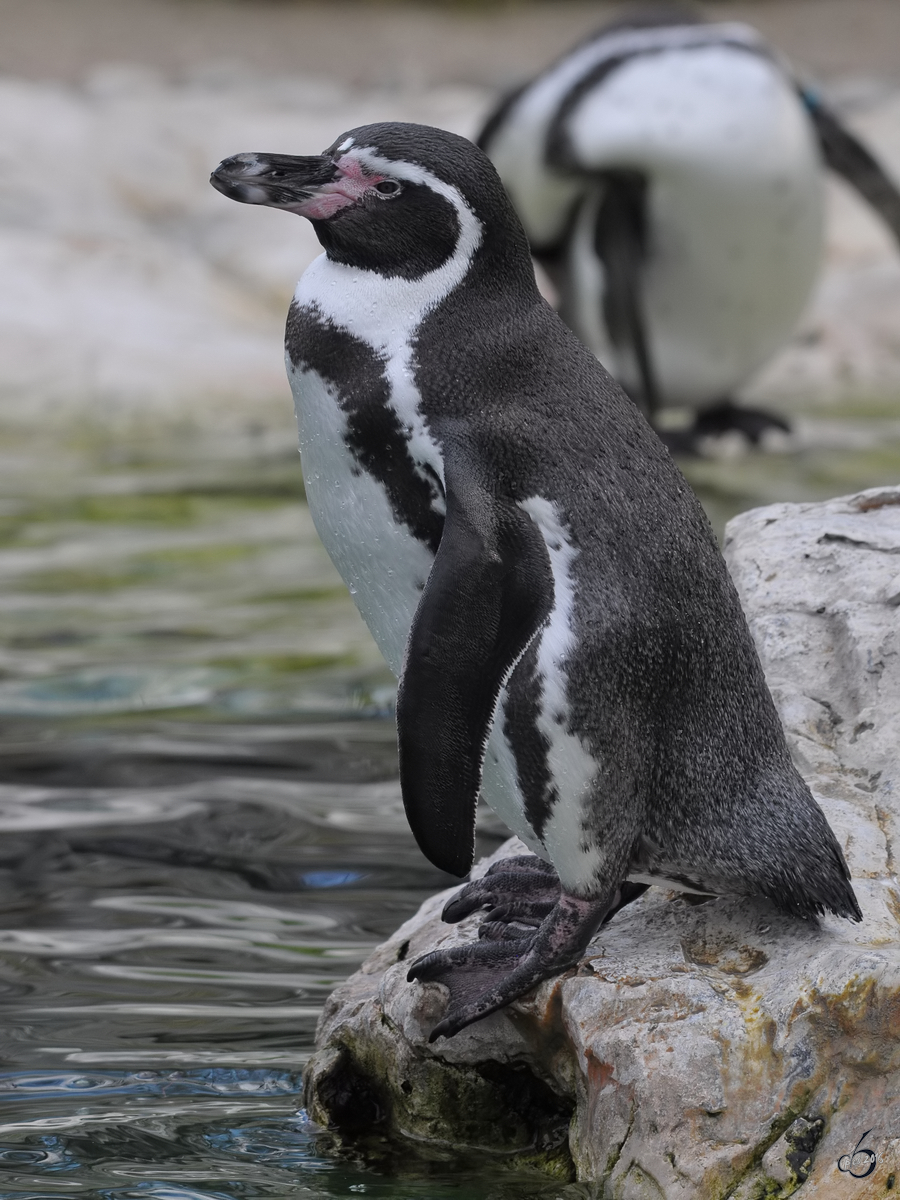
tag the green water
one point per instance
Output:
(202, 826)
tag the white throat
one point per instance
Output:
(385, 311)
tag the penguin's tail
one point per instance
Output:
(829, 890)
(803, 869)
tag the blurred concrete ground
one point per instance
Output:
(132, 292)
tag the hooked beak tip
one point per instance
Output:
(220, 181)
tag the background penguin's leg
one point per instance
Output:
(620, 241)
(488, 594)
(848, 157)
(489, 974)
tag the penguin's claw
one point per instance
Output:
(512, 882)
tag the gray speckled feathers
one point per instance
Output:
(534, 567)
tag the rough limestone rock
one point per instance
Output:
(703, 1050)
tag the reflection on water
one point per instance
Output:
(202, 826)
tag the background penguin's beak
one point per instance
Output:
(278, 180)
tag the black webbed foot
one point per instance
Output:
(531, 931)
(720, 418)
(728, 417)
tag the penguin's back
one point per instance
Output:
(640, 717)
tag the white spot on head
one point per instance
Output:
(345, 145)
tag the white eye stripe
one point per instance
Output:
(471, 232)
(345, 145)
(409, 172)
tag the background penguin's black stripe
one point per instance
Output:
(498, 116)
(374, 437)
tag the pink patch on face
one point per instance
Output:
(348, 188)
(323, 205)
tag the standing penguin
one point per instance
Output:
(668, 173)
(533, 567)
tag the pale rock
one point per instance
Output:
(132, 290)
(706, 1050)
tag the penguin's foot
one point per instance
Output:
(517, 893)
(728, 417)
(531, 931)
(489, 974)
(722, 418)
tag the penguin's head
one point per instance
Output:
(395, 198)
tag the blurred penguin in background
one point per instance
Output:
(669, 175)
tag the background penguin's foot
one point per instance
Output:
(720, 419)
(728, 417)
(532, 931)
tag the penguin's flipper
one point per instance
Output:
(488, 594)
(620, 241)
(848, 157)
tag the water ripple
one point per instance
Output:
(228, 913)
(72, 943)
(23, 809)
(48, 1084)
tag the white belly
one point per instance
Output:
(382, 564)
(736, 202)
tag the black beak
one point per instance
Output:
(278, 180)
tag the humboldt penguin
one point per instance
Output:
(534, 568)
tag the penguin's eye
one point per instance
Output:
(388, 187)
